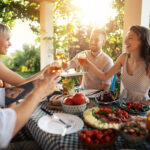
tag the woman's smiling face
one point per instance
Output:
(4, 43)
(132, 42)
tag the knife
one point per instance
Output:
(56, 118)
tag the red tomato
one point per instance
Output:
(68, 101)
(83, 136)
(96, 141)
(95, 132)
(99, 136)
(89, 133)
(78, 99)
(88, 140)
(109, 130)
(107, 138)
(118, 110)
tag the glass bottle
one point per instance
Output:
(148, 126)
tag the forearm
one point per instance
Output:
(101, 75)
(105, 87)
(9, 76)
(72, 64)
(24, 110)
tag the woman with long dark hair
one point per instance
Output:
(136, 65)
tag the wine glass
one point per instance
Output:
(60, 54)
(82, 59)
(55, 66)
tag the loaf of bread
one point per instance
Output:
(56, 99)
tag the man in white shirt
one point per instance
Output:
(97, 57)
(13, 119)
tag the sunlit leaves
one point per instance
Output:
(10, 10)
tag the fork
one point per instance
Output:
(57, 118)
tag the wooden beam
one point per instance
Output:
(39, 1)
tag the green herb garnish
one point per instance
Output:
(70, 85)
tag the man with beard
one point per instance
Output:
(96, 55)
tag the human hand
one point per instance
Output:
(46, 86)
(65, 65)
(86, 62)
(44, 69)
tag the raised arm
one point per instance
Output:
(9, 76)
(70, 64)
(42, 88)
(13, 78)
(113, 70)
(35, 76)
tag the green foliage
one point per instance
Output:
(113, 46)
(26, 74)
(67, 13)
(26, 60)
(10, 10)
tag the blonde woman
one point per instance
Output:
(6, 74)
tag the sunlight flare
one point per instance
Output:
(95, 12)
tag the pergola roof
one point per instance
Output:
(38, 1)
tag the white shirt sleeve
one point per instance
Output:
(7, 124)
(2, 97)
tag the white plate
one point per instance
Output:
(48, 124)
(89, 92)
(71, 74)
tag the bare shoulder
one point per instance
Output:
(121, 58)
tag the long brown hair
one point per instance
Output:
(143, 34)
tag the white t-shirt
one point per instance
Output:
(7, 124)
(103, 62)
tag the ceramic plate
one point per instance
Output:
(107, 103)
(134, 111)
(50, 125)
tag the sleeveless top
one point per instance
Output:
(136, 86)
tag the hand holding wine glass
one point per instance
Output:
(82, 59)
(55, 66)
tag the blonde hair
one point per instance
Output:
(4, 29)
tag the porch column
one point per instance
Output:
(46, 22)
(136, 12)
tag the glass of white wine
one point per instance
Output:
(55, 66)
(81, 59)
(60, 54)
